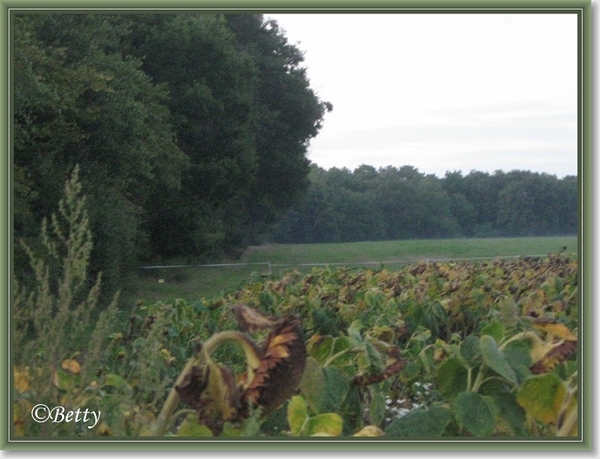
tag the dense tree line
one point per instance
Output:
(190, 131)
(402, 203)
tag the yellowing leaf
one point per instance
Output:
(21, 379)
(453, 275)
(556, 328)
(281, 339)
(542, 397)
(190, 428)
(539, 348)
(439, 354)
(71, 365)
(369, 431)
(297, 414)
(222, 395)
(326, 424)
(21, 411)
(103, 430)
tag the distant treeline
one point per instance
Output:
(402, 203)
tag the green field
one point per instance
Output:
(192, 283)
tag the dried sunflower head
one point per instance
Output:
(281, 367)
(273, 371)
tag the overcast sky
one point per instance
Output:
(443, 92)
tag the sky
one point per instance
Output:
(442, 92)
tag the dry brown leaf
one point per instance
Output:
(554, 357)
(251, 320)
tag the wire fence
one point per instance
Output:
(271, 265)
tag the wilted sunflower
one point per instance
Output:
(273, 371)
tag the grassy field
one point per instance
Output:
(193, 283)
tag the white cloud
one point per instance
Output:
(443, 91)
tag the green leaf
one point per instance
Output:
(343, 358)
(354, 335)
(374, 359)
(469, 349)
(492, 386)
(322, 350)
(421, 334)
(374, 298)
(377, 407)
(495, 330)
(190, 428)
(341, 344)
(352, 410)
(421, 423)
(509, 312)
(559, 285)
(495, 359)
(328, 424)
(518, 355)
(510, 416)
(114, 380)
(66, 380)
(410, 372)
(451, 378)
(297, 414)
(542, 397)
(323, 388)
(473, 413)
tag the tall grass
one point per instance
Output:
(57, 324)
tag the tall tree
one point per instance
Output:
(79, 100)
(244, 114)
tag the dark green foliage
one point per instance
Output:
(429, 422)
(402, 203)
(190, 131)
(78, 100)
(243, 114)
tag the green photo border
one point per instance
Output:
(582, 8)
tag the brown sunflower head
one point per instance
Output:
(281, 367)
(273, 371)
